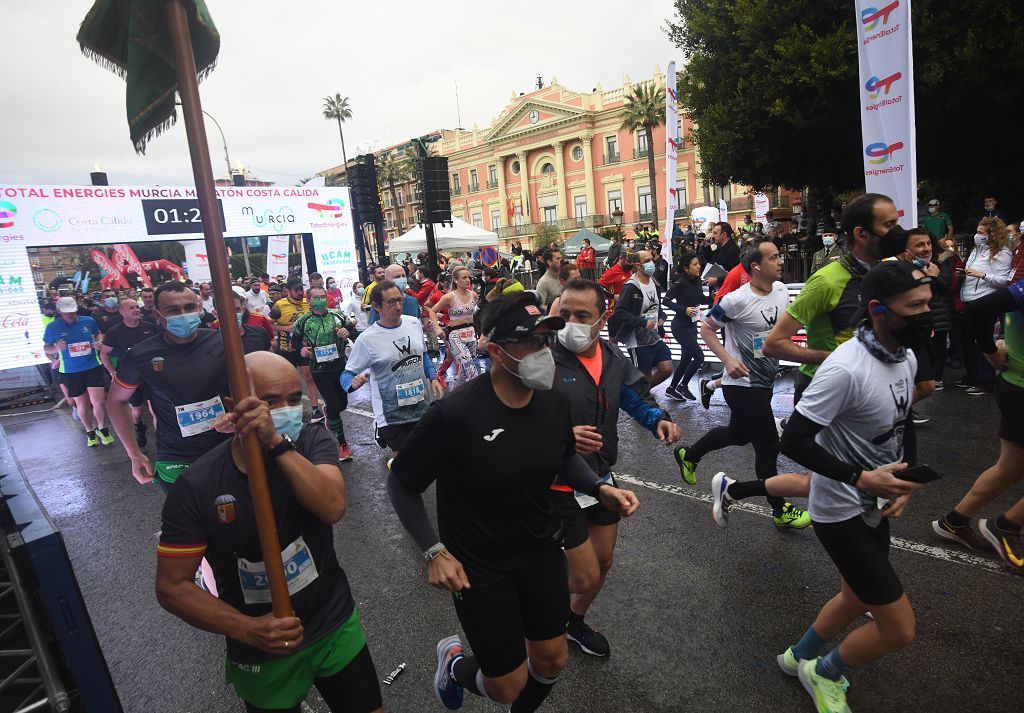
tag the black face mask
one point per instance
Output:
(892, 243)
(915, 327)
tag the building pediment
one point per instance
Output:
(531, 116)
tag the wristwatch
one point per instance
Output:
(286, 444)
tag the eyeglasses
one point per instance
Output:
(394, 302)
(535, 341)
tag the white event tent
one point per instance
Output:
(462, 237)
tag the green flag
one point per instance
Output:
(130, 37)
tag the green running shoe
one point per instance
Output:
(687, 470)
(828, 695)
(91, 440)
(792, 518)
(790, 666)
(105, 437)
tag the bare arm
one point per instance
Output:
(735, 368)
(105, 353)
(779, 344)
(436, 309)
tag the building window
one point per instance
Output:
(612, 144)
(474, 182)
(492, 174)
(515, 168)
(550, 214)
(495, 219)
(643, 199)
(478, 220)
(713, 194)
(547, 168)
(456, 186)
(580, 207)
(681, 195)
(398, 194)
(614, 201)
(577, 153)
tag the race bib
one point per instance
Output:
(197, 418)
(325, 354)
(585, 501)
(411, 392)
(80, 349)
(299, 572)
(757, 342)
(466, 335)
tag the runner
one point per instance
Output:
(272, 663)
(254, 338)
(75, 340)
(184, 374)
(848, 429)
(459, 335)
(748, 314)
(116, 343)
(147, 312)
(638, 316)
(108, 314)
(1007, 358)
(498, 550)
(285, 313)
(685, 297)
(256, 299)
(597, 381)
(321, 335)
(392, 350)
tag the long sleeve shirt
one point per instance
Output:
(997, 270)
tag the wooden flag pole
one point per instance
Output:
(192, 112)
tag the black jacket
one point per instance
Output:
(727, 255)
(685, 292)
(942, 300)
(661, 273)
(614, 253)
(621, 386)
(628, 318)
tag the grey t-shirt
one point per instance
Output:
(548, 288)
(863, 403)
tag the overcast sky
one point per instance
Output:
(396, 60)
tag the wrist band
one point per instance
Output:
(434, 551)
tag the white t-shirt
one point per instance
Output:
(257, 303)
(863, 404)
(649, 311)
(748, 318)
(394, 355)
(354, 310)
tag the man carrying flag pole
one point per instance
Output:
(134, 39)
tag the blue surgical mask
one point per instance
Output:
(829, 241)
(183, 325)
(110, 302)
(288, 421)
(920, 262)
(649, 268)
(402, 283)
(238, 318)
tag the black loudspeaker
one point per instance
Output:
(362, 182)
(432, 177)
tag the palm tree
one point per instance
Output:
(645, 109)
(337, 108)
(331, 180)
(393, 169)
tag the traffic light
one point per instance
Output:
(432, 178)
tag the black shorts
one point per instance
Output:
(394, 436)
(576, 521)
(861, 553)
(139, 397)
(648, 357)
(1009, 398)
(77, 382)
(295, 358)
(531, 604)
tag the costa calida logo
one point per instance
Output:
(7, 212)
(879, 153)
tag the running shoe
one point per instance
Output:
(687, 470)
(91, 439)
(590, 640)
(1008, 544)
(978, 391)
(379, 438)
(446, 688)
(705, 395)
(828, 695)
(344, 452)
(964, 384)
(74, 413)
(673, 394)
(918, 418)
(963, 535)
(723, 503)
(317, 414)
(686, 393)
(105, 437)
(390, 461)
(140, 435)
(939, 386)
(792, 518)
(790, 666)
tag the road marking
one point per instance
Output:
(897, 542)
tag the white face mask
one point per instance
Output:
(933, 209)
(576, 336)
(980, 239)
(536, 371)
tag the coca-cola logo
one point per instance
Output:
(14, 319)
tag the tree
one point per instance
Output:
(645, 110)
(331, 180)
(393, 169)
(337, 108)
(774, 93)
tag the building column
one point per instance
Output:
(502, 195)
(560, 178)
(524, 187)
(588, 173)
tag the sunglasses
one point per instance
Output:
(536, 341)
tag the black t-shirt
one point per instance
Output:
(121, 337)
(193, 373)
(254, 339)
(210, 505)
(494, 507)
(107, 320)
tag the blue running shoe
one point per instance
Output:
(446, 688)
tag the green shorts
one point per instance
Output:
(285, 682)
(169, 470)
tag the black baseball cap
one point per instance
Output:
(885, 280)
(516, 315)
(295, 282)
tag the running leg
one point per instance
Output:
(992, 483)
(603, 539)
(97, 396)
(353, 689)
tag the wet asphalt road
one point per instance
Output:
(695, 615)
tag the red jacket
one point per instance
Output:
(426, 287)
(587, 259)
(614, 278)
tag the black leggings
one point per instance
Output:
(691, 357)
(751, 421)
(328, 383)
(353, 689)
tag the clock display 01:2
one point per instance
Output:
(176, 216)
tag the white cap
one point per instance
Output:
(238, 290)
(67, 305)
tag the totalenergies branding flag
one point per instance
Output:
(671, 159)
(886, 59)
(277, 255)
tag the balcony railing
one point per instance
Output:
(611, 158)
(474, 187)
(641, 153)
(491, 185)
(456, 191)
(415, 198)
(644, 216)
(563, 225)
